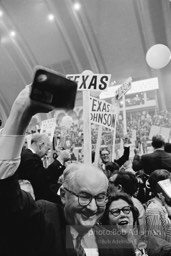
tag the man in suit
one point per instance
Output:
(167, 147)
(31, 167)
(116, 163)
(41, 228)
(158, 159)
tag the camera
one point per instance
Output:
(51, 88)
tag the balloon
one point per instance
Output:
(158, 56)
(67, 121)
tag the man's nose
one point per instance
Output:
(92, 205)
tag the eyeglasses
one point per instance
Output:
(107, 154)
(85, 199)
(116, 212)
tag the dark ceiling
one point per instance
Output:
(105, 36)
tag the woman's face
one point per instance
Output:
(121, 219)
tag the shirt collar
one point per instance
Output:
(32, 150)
(74, 232)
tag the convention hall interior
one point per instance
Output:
(70, 36)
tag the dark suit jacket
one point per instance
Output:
(124, 157)
(108, 243)
(38, 228)
(31, 168)
(159, 159)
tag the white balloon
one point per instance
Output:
(158, 56)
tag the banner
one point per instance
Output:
(164, 131)
(48, 127)
(87, 80)
(101, 113)
(153, 131)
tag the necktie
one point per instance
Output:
(78, 248)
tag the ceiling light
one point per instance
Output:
(77, 6)
(12, 33)
(1, 13)
(51, 17)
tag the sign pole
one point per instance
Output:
(87, 127)
(114, 138)
(124, 115)
(116, 109)
(98, 144)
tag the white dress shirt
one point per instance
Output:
(88, 242)
(10, 151)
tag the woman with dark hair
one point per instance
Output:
(121, 216)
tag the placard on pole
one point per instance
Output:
(116, 96)
(88, 81)
(101, 113)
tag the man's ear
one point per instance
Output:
(119, 188)
(62, 194)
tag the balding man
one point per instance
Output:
(31, 167)
(40, 228)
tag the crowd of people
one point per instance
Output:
(79, 208)
(140, 122)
